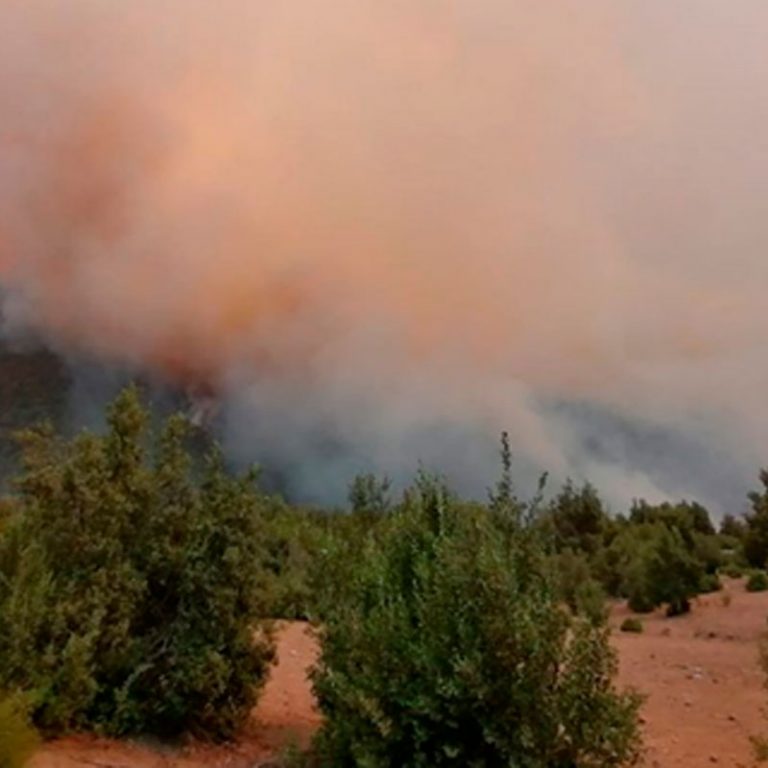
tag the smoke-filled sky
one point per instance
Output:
(385, 231)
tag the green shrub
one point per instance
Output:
(591, 602)
(571, 570)
(294, 540)
(756, 536)
(660, 568)
(632, 624)
(370, 495)
(757, 581)
(132, 592)
(578, 519)
(732, 570)
(639, 602)
(636, 580)
(710, 582)
(449, 648)
(18, 740)
(674, 572)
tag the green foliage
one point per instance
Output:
(732, 570)
(294, 540)
(686, 517)
(707, 550)
(733, 527)
(18, 740)
(591, 602)
(757, 582)
(640, 602)
(578, 519)
(710, 582)
(448, 648)
(664, 553)
(756, 536)
(576, 587)
(132, 592)
(673, 572)
(570, 569)
(632, 625)
(661, 556)
(370, 495)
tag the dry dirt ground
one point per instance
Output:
(700, 674)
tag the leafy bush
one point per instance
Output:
(639, 602)
(732, 570)
(632, 624)
(637, 580)
(18, 740)
(674, 572)
(571, 569)
(370, 495)
(132, 592)
(449, 648)
(294, 540)
(733, 528)
(756, 536)
(710, 582)
(757, 582)
(578, 519)
(591, 602)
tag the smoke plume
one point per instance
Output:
(385, 231)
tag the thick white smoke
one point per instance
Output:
(386, 231)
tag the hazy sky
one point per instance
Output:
(385, 231)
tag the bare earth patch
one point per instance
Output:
(699, 672)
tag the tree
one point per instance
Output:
(654, 565)
(688, 518)
(578, 519)
(132, 591)
(674, 574)
(369, 495)
(733, 527)
(756, 538)
(449, 648)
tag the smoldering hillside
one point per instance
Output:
(383, 232)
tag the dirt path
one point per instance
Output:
(699, 672)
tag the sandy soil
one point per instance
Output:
(699, 672)
(701, 676)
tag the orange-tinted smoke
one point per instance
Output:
(519, 195)
(236, 185)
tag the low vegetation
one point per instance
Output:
(130, 591)
(450, 647)
(757, 581)
(138, 579)
(18, 740)
(632, 625)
